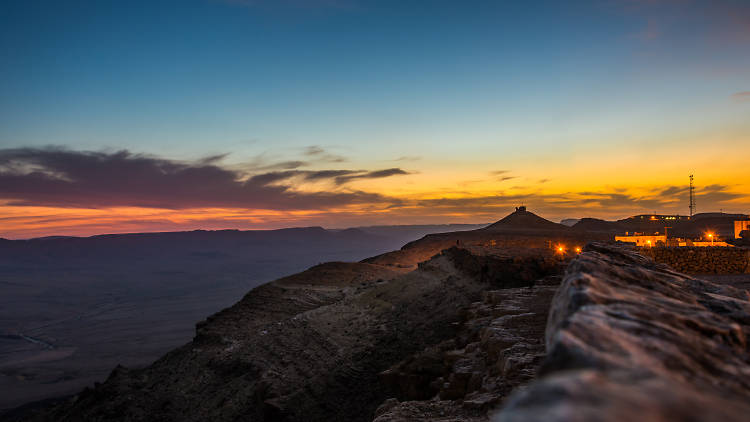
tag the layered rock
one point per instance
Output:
(630, 339)
(304, 348)
(499, 347)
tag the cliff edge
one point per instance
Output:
(628, 339)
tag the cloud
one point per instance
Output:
(314, 150)
(502, 175)
(265, 179)
(338, 177)
(741, 97)
(672, 190)
(283, 165)
(378, 174)
(328, 174)
(614, 202)
(188, 195)
(408, 158)
(64, 178)
(212, 159)
(319, 154)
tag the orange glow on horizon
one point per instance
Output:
(455, 196)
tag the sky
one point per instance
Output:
(129, 116)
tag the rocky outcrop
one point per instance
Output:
(499, 347)
(453, 338)
(628, 339)
(702, 260)
(304, 348)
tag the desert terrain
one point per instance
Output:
(455, 326)
(71, 309)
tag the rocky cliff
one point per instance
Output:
(484, 324)
(628, 339)
(309, 347)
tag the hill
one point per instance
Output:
(524, 220)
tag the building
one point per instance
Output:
(648, 240)
(659, 217)
(740, 226)
(641, 239)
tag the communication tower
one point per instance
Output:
(692, 197)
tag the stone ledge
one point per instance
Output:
(631, 339)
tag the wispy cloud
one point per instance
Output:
(408, 158)
(314, 150)
(65, 178)
(741, 97)
(283, 165)
(502, 175)
(78, 187)
(378, 174)
(320, 154)
(617, 202)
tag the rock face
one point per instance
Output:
(304, 348)
(453, 337)
(499, 347)
(628, 339)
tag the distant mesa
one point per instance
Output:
(521, 219)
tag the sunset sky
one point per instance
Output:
(126, 116)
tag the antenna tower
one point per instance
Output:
(692, 197)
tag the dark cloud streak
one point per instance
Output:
(60, 177)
